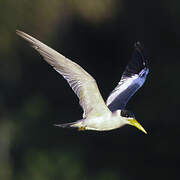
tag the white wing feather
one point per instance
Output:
(82, 83)
(132, 79)
(125, 89)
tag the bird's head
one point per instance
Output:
(131, 120)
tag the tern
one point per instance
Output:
(98, 115)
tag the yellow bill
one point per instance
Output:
(134, 122)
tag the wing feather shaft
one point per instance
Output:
(82, 83)
(132, 79)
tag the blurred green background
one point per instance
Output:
(99, 35)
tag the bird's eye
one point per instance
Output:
(126, 115)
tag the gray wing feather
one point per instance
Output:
(82, 83)
(132, 79)
(124, 91)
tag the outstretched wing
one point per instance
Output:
(82, 83)
(132, 79)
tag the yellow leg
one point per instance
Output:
(82, 128)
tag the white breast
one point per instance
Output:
(104, 123)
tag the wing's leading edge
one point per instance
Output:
(82, 83)
(132, 79)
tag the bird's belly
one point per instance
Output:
(103, 123)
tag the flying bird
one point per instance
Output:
(98, 115)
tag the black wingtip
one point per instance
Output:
(138, 46)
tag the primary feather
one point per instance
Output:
(132, 79)
(82, 83)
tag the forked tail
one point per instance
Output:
(75, 124)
